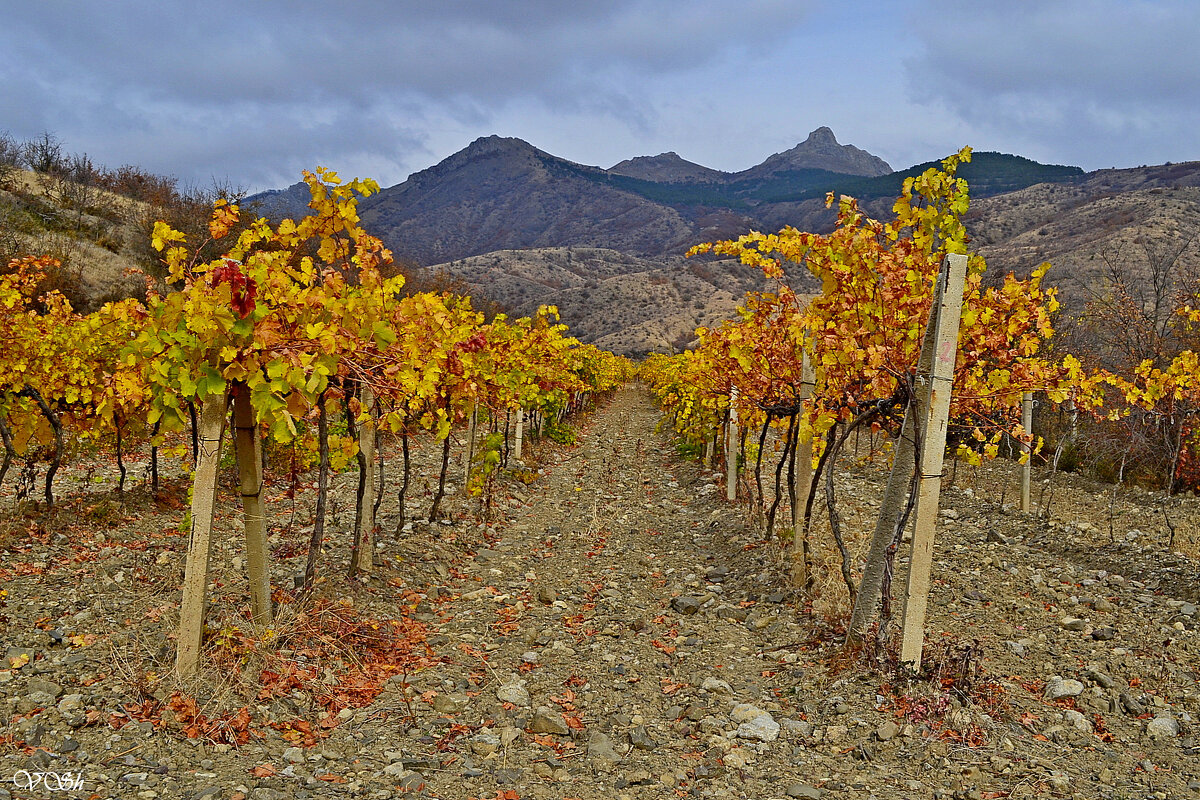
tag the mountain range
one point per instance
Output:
(503, 193)
(524, 227)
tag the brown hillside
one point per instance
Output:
(96, 235)
(622, 303)
(1121, 218)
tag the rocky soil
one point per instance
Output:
(623, 633)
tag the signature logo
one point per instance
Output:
(50, 781)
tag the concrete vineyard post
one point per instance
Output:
(469, 455)
(891, 508)
(519, 436)
(731, 444)
(803, 479)
(363, 555)
(195, 576)
(1027, 449)
(250, 484)
(934, 415)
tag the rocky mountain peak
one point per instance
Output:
(666, 167)
(498, 144)
(822, 151)
(822, 136)
(487, 147)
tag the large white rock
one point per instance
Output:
(514, 693)
(759, 728)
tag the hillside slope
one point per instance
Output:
(620, 302)
(524, 228)
(1112, 218)
(97, 235)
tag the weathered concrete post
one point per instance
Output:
(802, 480)
(1027, 449)
(195, 575)
(250, 483)
(895, 496)
(940, 381)
(731, 446)
(519, 436)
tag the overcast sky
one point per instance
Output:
(251, 92)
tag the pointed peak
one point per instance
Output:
(822, 135)
(822, 151)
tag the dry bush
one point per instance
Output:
(1135, 313)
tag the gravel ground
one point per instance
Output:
(619, 632)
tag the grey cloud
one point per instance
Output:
(1143, 51)
(270, 51)
(150, 83)
(256, 90)
(1123, 77)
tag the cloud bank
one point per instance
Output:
(252, 93)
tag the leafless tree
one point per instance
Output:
(1136, 314)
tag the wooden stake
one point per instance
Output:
(250, 480)
(1027, 449)
(731, 441)
(933, 449)
(211, 428)
(803, 479)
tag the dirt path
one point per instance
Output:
(612, 615)
(623, 634)
(646, 647)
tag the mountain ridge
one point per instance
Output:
(517, 216)
(503, 192)
(666, 167)
(524, 227)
